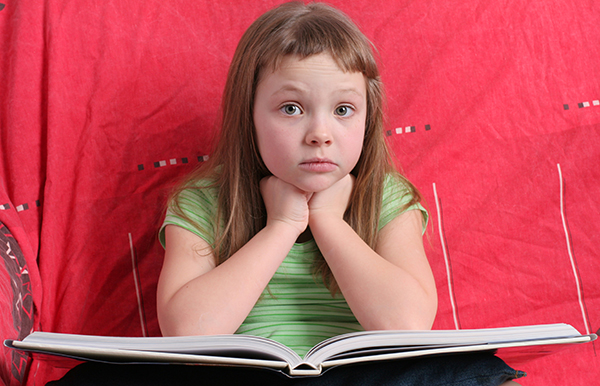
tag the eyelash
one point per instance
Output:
(284, 108)
(349, 110)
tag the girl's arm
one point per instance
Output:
(196, 297)
(391, 287)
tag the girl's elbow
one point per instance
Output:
(189, 325)
(429, 312)
(422, 321)
(180, 328)
(175, 324)
(421, 318)
(170, 327)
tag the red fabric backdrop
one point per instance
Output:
(494, 114)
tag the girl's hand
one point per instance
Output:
(333, 200)
(285, 203)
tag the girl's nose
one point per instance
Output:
(318, 133)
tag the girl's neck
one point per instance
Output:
(304, 236)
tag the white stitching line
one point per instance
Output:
(137, 286)
(564, 222)
(450, 289)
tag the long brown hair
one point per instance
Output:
(236, 167)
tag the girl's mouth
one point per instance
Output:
(318, 165)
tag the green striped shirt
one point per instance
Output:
(296, 308)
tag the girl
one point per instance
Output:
(302, 165)
(299, 228)
(300, 187)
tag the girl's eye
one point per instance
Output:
(291, 110)
(344, 111)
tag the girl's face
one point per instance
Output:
(310, 121)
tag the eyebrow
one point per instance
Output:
(288, 88)
(352, 90)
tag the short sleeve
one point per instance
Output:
(396, 195)
(198, 207)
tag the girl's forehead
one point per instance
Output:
(314, 76)
(296, 64)
(313, 62)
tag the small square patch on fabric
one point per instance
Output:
(173, 161)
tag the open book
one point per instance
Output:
(245, 350)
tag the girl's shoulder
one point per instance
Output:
(399, 196)
(194, 208)
(395, 184)
(198, 197)
(204, 186)
(207, 185)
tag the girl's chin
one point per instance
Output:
(313, 185)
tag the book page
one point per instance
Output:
(234, 346)
(409, 340)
